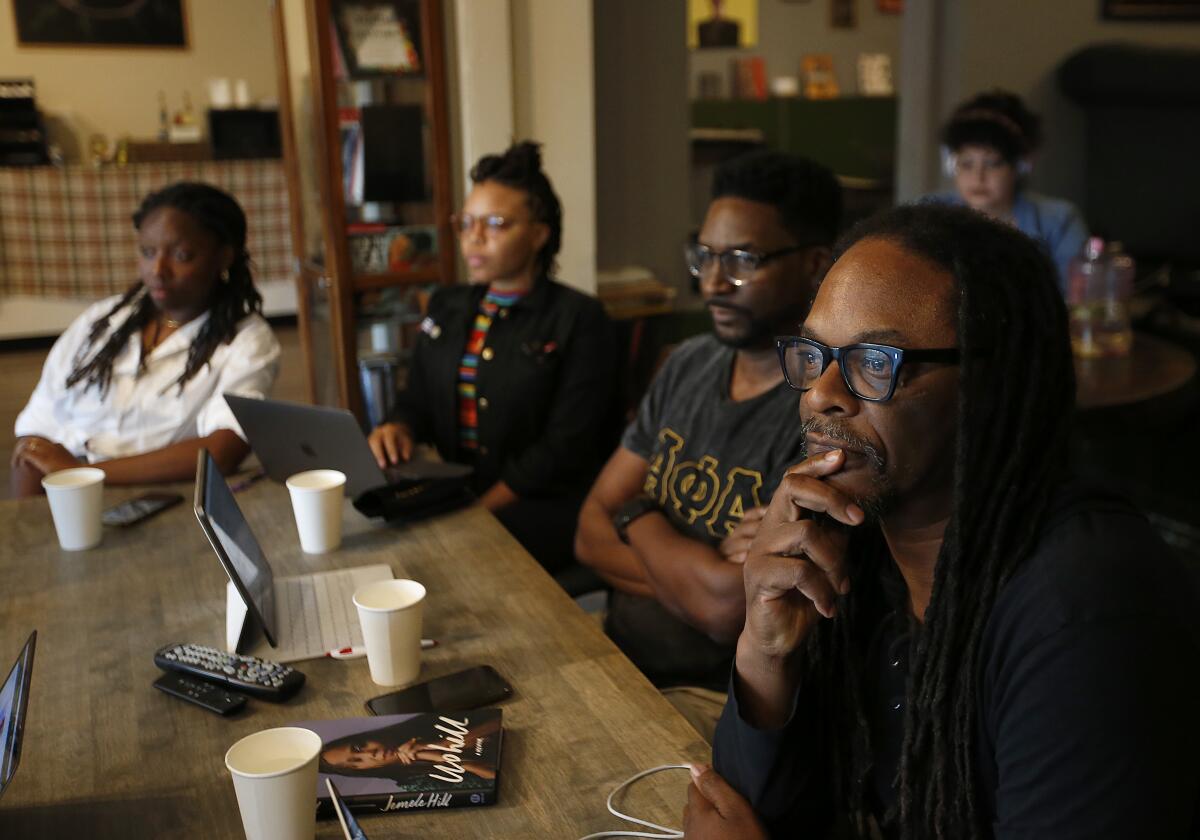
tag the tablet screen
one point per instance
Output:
(245, 558)
(14, 699)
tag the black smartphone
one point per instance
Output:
(132, 511)
(473, 688)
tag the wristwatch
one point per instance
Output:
(631, 510)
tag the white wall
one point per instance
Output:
(26, 316)
(642, 151)
(554, 103)
(484, 52)
(114, 90)
(982, 44)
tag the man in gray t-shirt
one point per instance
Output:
(668, 521)
(711, 461)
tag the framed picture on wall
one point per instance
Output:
(101, 23)
(714, 24)
(379, 37)
(843, 14)
(1150, 9)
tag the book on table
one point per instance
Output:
(424, 761)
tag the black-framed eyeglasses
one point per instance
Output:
(739, 266)
(492, 223)
(869, 370)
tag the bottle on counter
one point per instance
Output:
(1099, 284)
(163, 121)
(1116, 331)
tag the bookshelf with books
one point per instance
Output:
(381, 142)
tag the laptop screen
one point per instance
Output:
(246, 559)
(14, 701)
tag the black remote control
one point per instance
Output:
(204, 694)
(246, 674)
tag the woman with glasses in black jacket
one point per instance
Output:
(514, 372)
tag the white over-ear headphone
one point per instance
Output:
(950, 162)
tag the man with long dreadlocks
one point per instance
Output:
(946, 635)
(135, 385)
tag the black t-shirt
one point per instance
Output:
(1088, 676)
(711, 459)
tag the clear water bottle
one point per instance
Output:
(1098, 288)
(1114, 334)
(1082, 285)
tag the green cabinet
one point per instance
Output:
(855, 136)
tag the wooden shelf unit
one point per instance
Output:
(331, 296)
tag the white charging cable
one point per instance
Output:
(667, 833)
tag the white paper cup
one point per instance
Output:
(275, 778)
(390, 614)
(317, 504)
(76, 496)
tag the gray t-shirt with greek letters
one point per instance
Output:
(711, 459)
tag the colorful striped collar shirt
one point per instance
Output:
(468, 404)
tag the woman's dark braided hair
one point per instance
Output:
(1016, 398)
(233, 298)
(520, 167)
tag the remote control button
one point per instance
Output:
(259, 677)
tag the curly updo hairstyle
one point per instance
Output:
(520, 167)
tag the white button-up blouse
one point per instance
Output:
(143, 413)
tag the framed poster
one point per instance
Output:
(379, 37)
(101, 23)
(843, 14)
(1150, 9)
(722, 23)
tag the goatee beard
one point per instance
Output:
(882, 497)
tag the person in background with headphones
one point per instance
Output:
(136, 384)
(986, 147)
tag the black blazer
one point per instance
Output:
(545, 388)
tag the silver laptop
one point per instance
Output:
(284, 619)
(291, 437)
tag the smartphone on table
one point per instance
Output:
(473, 688)
(132, 511)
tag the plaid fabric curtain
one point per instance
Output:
(67, 232)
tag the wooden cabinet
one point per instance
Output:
(367, 147)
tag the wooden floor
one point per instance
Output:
(20, 370)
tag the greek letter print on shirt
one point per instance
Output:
(698, 491)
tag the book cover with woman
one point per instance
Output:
(410, 762)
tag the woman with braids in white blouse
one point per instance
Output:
(135, 385)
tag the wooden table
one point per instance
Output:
(107, 755)
(1154, 368)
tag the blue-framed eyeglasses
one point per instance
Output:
(869, 370)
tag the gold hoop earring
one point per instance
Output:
(225, 276)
